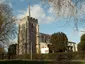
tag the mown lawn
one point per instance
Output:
(36, 62)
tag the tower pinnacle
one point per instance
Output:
(29, 11)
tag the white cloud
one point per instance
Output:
(2, 1)
(7, 2)
(64, 8)
(80, 32)
(10, 4)
(50, 10)
(67, 8)
(39, 13)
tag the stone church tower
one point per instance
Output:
(28, 35)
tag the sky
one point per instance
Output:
(49, 23)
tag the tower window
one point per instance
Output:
(32, 25)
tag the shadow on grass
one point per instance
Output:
(37, 62)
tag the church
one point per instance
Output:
(28, 35)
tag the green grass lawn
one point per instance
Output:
(36, 62)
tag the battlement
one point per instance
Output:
(33, 19)
(29, 18)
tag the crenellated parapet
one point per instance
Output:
(33, 19)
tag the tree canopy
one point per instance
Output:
(12, 49)
(59, 41)
(83, 37)
(81, 45)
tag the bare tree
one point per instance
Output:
(7, 24)
(69, 9)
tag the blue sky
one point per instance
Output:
(48, 21)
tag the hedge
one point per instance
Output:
(52, 56)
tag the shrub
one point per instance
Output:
(52, 56)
